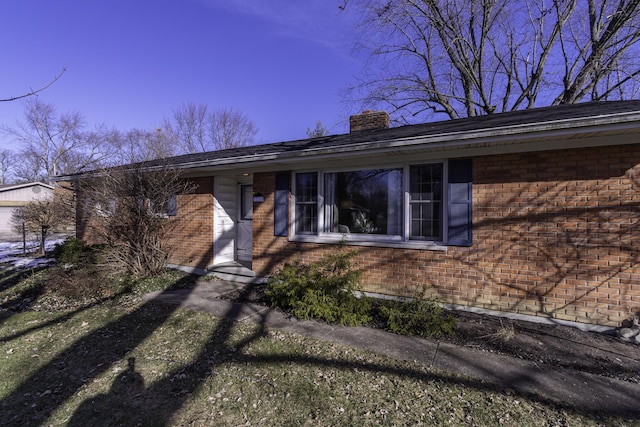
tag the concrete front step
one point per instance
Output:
(234, 272)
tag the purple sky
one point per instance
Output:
(129, 62)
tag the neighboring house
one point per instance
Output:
(533, 212)
(15, 196)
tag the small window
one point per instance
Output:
(168, 208)
(306, 203)
(106, 209)
(425, 201)
(246, 202)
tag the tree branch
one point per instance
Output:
(33, 92)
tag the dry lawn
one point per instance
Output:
(123, 362)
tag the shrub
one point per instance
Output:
(135, 219)
(80, 274)
(79, 284)
(323, 290)
(70, 251)
(420, 316)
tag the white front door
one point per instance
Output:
(225, 214)
(244, 242)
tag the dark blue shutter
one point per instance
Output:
(460, 212)
(172, 205)
(281, 205)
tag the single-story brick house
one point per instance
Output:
(534, 212)
(18, 195)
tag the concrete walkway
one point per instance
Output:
(581, 391)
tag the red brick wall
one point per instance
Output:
(85, 225)
(191, 230)
(556, 234)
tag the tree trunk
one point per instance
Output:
(43, 237)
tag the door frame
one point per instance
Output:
(227, 214)
(224, 217)
(244, 224)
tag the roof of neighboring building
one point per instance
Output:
(11, 187)
(516, 124)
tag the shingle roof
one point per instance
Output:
(523, 117)
(571, 115)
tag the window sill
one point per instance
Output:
(163, 215)
(413, 244)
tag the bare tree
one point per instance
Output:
(137, 145)
(196, 129)
(189, 127)
(476, 57)
(318, 131)
(42, 216)
(54, 144)
(8, 162)
(229, 128)
(130, 210)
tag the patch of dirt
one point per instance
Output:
(555, 345)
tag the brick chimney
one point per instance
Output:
(369, 120)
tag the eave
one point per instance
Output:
(556, 135)
(547, 128)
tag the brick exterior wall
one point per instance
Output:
(86, 227)
(556, 234)
(191, 230)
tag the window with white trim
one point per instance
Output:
(425, 201)
(403, 205)
(168, 207)
(306, 203)
(365, 202)
(106, 208)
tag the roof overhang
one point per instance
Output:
(616, 128)
(555, 135)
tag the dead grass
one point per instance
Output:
(149, 364)
(504, 334)
(194, 369)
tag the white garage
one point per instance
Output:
(13, 196)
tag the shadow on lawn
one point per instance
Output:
(120, 400)
(129, 402)
(22, 300)
(9, 277)
(31, 404)
(61, 319)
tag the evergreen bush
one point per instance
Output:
(419, 316)
(70, 251)
(328, 290)
(324, 290)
